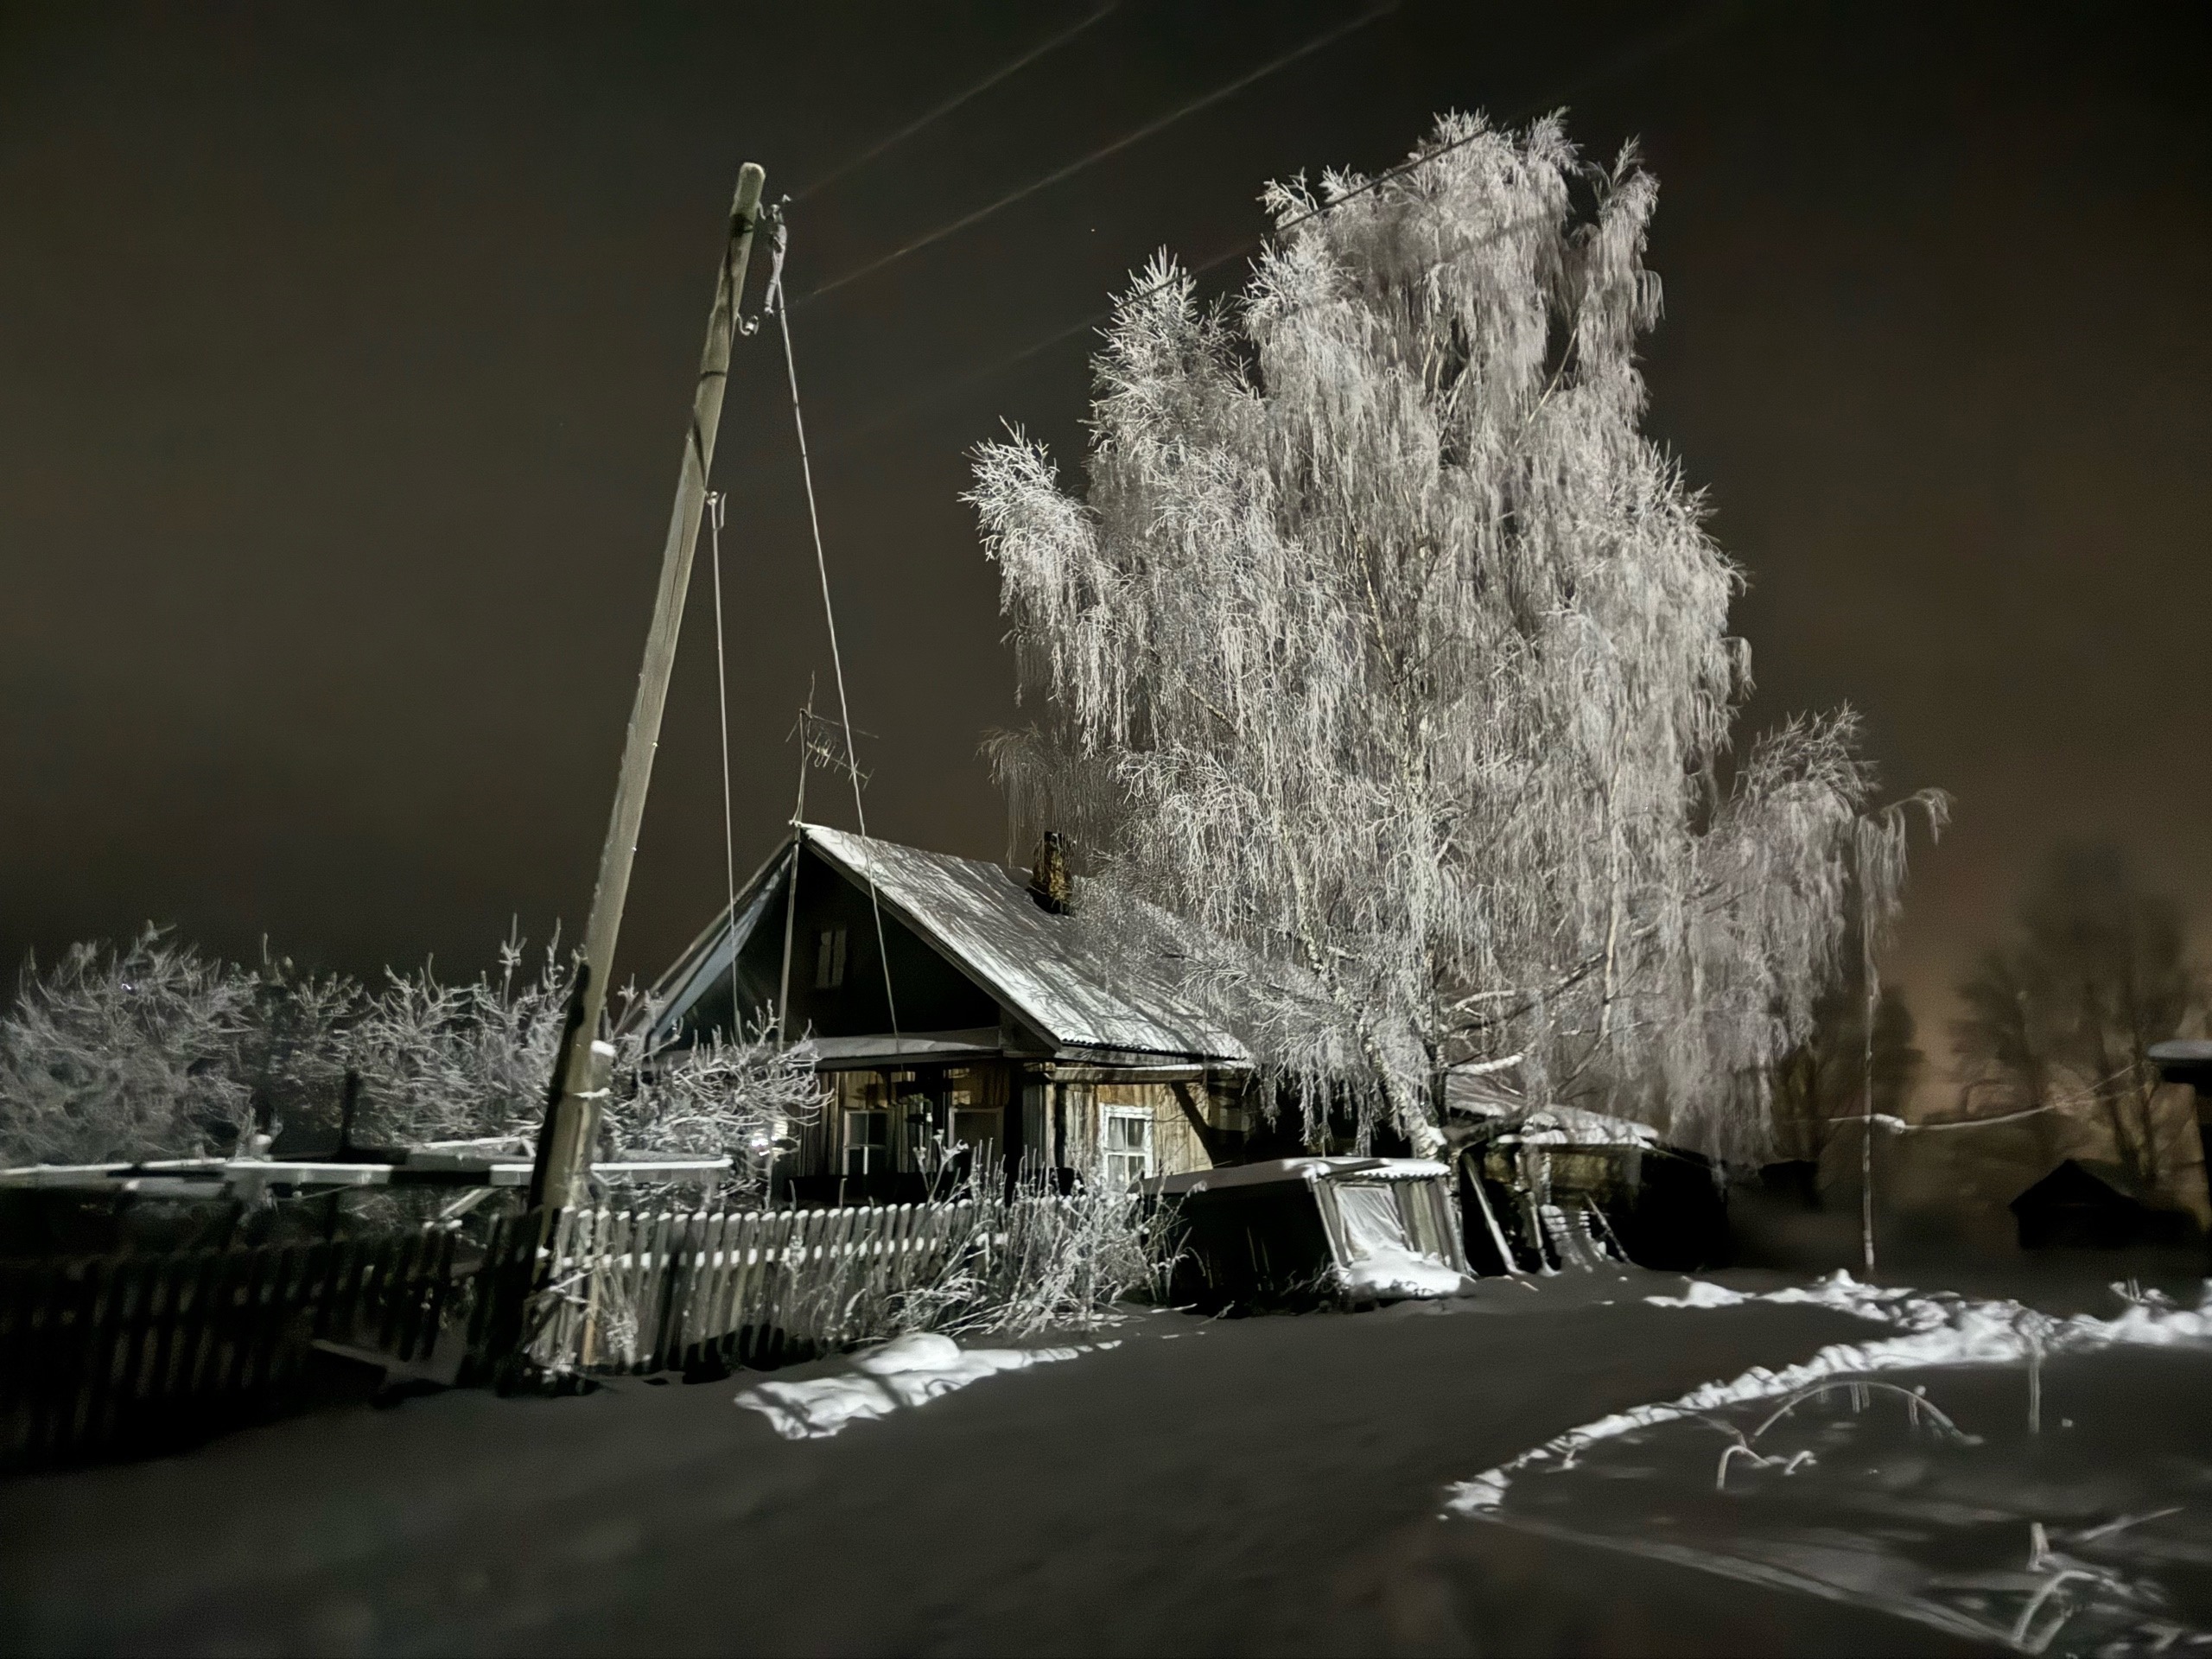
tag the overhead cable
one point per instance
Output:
(953, 103)
(777, 303)
(717, 515)
(1654, 44)
(1059, 175)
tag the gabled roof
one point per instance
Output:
(1051, 972)
(1049, 969)
(2077, 1180)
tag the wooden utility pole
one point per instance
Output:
(580, 1073)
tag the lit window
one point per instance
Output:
(829, 959)
(1128, 1147)
(868, 1142)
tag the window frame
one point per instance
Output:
(1113, 1160)
(876, 1152)
(829, 959)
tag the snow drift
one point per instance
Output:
(909, 1371)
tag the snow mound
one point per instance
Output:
(909, 1371)
(1838, 1291)
(1938, 1329)
(1402, 1272)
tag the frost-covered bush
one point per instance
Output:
(1387, 651)
(132, 1051)
(157, 1051)
(1027, 1257)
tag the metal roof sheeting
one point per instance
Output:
(1053, 970)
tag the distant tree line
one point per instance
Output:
(2058, 1020)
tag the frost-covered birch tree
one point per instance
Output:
(1388, 654)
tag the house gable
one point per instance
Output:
(837, 970)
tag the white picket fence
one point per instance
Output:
(637, 1293)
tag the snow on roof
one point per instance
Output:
(1047, 968)
(2185, 1059)
(1571, 1126)
(1275, 1169)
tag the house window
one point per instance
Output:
(868, 1142)
(1127, 1142)
(829, 959)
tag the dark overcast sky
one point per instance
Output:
(345, 354)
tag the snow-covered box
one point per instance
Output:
(1314, 1230)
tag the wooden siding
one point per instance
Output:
(1056, 1120)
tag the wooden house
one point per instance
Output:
(989, 1021)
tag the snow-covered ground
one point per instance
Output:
(1257, 1485)
(2022, 1526)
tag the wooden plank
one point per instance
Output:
(906, 1242)
(197, 1332)
(28, 1359)
(607, 1284)
(442, 1294)
(112, 1364)
(677, 1285)
(817, 1269)
(694, 1267)
(776, 1270)
(400, 1258)
(558, 1335)
(704, 1322)
(161, 1299)
(80, 1377)
(484, 1292)
(748, 1240)
(651, 1276)
(232, 1319)
(269, 1311)
(648, 1272)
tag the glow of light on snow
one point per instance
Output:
(1935, 1330)
(910, 1370)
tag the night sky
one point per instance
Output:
(345, 356)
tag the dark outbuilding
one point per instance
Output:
(2088, 1205)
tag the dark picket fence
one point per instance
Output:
(124, 1354)
(127, 1354)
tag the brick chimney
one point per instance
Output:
(1049, 883)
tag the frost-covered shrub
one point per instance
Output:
(130, 1052)
(157, 1051)
(1028, 1255)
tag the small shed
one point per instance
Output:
(2089, 1205)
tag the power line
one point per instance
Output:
(774, 302)
(1655, 44)
(953, 103)
(1059, 175)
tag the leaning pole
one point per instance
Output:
(581, 1070)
